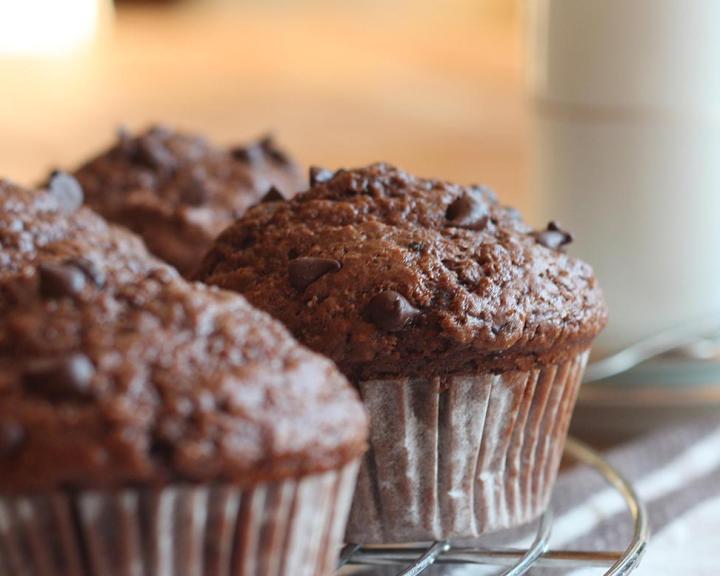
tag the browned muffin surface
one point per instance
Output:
(178, 191)
(389, 274)
(52, 225)
(156, 381)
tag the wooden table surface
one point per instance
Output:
(437, 91)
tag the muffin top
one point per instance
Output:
(51, 224)
(393, 275)
(179, 192)
(157, 381)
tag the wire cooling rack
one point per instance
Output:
(413, 560)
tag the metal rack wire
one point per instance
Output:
(415, 560)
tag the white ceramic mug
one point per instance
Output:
(627, 150)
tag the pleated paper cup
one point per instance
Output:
(290, 527)
(463, 455)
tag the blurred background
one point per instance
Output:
(602, 114)
(434, 87)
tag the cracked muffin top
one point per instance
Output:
(179, 192)
(106, 385)
(393, 275)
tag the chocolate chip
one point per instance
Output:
(319, 175)
(553, 237)
(467, 211)
(267, 144)
(272, 195)
(390, 311)
(59, 280)
(304, 271)
(65, 378)
(249, 154)
(92, 272)
(66, 190)
(162, 275)
(240, 153)
(416, 246)
(125, 141)
(162, 449)
(194, 195)
(159, 131)
(12, 435)
(151, 152)
(122, 134)
(192, 184)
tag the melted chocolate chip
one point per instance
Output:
(60, 280)
(467, 211)
(304, 271)
(390, 311)
(92, 272)
(553, 237)
(319, 175)
(66, 190)
(12, 435)
(66, 378)
(272, 195)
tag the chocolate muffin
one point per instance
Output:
(465, 330)
(160, 427)
(52, 225)
(179, 192)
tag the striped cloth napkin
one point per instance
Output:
(676, 472)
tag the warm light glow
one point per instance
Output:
(47, 27)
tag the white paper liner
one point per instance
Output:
(290, 527)
(461, 456)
